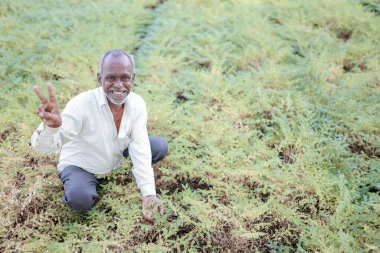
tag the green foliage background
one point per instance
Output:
(271, 110)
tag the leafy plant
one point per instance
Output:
(271, 110)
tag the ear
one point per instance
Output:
(99, 78)
(133, 78)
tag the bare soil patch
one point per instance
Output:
(6, 133)
(365, 147)
(34, 162)
(272, 227)
(287, 154)
(179, 183)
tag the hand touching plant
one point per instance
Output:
(150, 205)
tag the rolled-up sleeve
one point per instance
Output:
(140, 153)
(46, 139)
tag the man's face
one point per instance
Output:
(117, 78)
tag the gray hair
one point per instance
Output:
(115, 53)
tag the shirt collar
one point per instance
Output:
(102, 97)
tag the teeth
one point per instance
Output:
(118, 92)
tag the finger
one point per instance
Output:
(42, 98)
(44, 113)
(51, 92)
(161, 208)
(37, 90)
(41, 111)
(147, 218)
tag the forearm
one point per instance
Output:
(142, 167)
(145, 180)
(140, 153)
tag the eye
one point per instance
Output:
(125, 78)
(110, 78)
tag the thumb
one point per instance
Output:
(41, 115)
(52, 119)
(49, 116)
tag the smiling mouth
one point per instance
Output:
(119, 92)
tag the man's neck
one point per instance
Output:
(115, 108)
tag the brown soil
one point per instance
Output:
(343, 34)
(179, 183)
(258, 189)
(272, 226)
(359, 147)
(287, 154)
(6, 133)
(34, 162)
(204, 64)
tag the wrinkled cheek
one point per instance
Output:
(106, 87)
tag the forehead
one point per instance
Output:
(119, 63)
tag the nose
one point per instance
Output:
(118, 83)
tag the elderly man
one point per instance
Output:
(95, 130)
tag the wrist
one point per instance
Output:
(50, 130)
(148, 190)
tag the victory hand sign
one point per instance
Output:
(48, 110)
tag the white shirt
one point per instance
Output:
(88, 137)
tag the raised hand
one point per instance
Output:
(48, 110)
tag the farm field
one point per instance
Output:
(271, 110)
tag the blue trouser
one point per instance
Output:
(80, 185)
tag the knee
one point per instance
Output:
(159, 148)
(80, 200)
(163, 148)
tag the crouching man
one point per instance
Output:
(96, 130)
